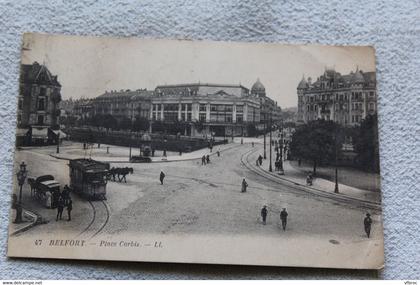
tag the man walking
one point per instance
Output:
(260, 158)
(208, 159)
(60, 208)
(203, 160)
(244, 186)
(69, 208)
(264, 214)
(283, 218)
(368, 224)
(161, 177)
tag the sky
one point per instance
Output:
(88, 66)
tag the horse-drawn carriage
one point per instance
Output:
(88, 178)
(46, 190)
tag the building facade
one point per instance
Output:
(270, 112)
(38, 105)
(222, 110)
(345, 99)
(123, 104)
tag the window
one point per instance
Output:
(202, 107)
(371, 93)
(40, 119)
(41, 105)
(239, 118)
(202, 117)
(371, 106)
(239, 109)
(42, 91)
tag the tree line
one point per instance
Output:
(321, 143)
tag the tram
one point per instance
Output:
(88, 178)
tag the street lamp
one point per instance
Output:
(281, 170)
(265, 130)
(270, 168)
(21, 176)
(336, 167)
(58, 143)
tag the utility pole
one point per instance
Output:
(270, 167)
(265, 130)
(336, 162)
(281, 170)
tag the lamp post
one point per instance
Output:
(265, 130)
(270, 168)
(58, 143)
(281, 170)
(21, 176)
(336, 167)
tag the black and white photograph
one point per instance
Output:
(183, 151)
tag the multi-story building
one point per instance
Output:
(38, 111)
(220, 109)
(268, 107)
(346, 99)
(123, 104)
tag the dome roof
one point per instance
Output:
(258, 86)
(358, 77)
(303, 84)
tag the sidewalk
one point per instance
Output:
(29, 220)
(120, 154)
(298, 177)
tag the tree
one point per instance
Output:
(366, 144)
(109, 122)
(316, 142)
(251, 130)
(141, 124)
(125, 124)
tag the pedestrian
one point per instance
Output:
(208, 158)
(244, 186)
(252, 144)
(60, 208)
(161, 177)
(180, 152)
(66, 194)
(69, 208)
(203, 160)
(153, 152)
(218, 152)
(368, 224)
(264, 214)
(283, 218)
(260, 159)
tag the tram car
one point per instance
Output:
(88, 178)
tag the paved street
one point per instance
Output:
(199, 198)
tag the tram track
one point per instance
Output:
(96, 225)
(293, 187)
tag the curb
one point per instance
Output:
(156, 161)
(314, 191)
(35, 221)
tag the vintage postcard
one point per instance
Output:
(197, 152)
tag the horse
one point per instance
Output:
(123, 172)
(119, 173)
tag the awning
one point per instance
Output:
(63, 135)
(21, 132)
(39, 133)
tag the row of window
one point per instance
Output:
(337, 107)
(341, 97)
